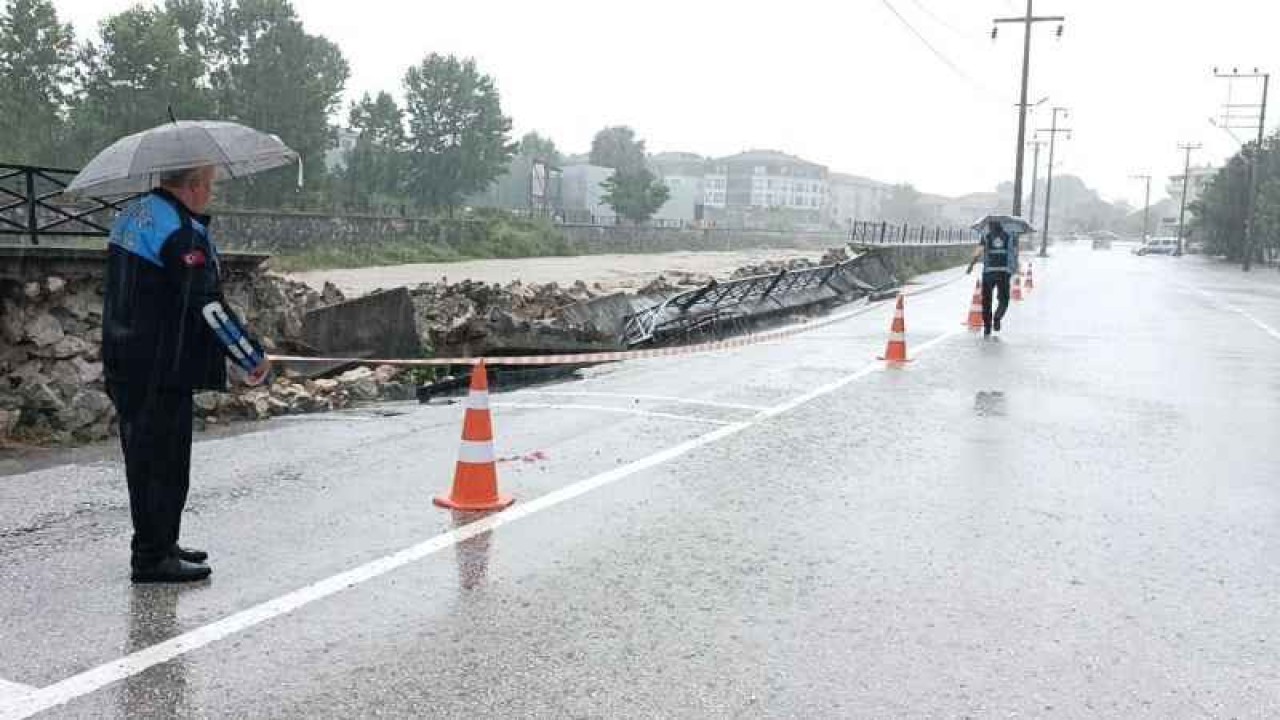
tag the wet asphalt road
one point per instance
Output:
(1080, 520)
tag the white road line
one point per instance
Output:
(11, 690)
(99, 677)
(655, 398)
(1239, 311)
(607, 409)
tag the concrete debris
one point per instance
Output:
(472, 318)
(773, 267)
(52, 389)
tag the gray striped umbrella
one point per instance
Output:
(135, 163)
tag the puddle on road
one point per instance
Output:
(990, 404)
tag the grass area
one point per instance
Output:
(490, 237)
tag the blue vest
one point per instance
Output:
(1000, 253)
(144, 226)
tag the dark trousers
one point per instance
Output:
(155, 433)
(994, 282)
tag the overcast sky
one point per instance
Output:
(841, 82)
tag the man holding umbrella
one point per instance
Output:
(166, 326)
(998, 251)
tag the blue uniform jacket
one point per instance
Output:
(165, 321)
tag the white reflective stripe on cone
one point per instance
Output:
(476, 452)
(897, 337)
(478, 400)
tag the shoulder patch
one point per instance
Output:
(195, 258)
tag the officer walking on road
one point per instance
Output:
(166, 332)
(999, 254)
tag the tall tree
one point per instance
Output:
(269, 73)
(371, 177)
(458, 136)
(535, 146)
(635, 194)
(618, 148)
(1219, 214)
(37, 56)
(131, 77)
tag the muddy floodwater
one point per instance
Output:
(612, 272)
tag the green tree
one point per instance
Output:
(1218, 215)
(372, 176)
(1267, 217)
(130, 78)
(458, 136)
(617, 148)
(37, 58)
(267, 72)
(535, 146)
(635, 194)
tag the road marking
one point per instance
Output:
(95, 679)
(607, 409)
(11, 690)
(1238, 310)
(656, 398)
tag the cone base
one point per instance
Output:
(894, 361)
(503, 502)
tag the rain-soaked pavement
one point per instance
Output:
(1082, 519)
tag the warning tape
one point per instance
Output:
(613, 356)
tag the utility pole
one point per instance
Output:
(1146, 205)
(1053, 131)
(1028, 20)
(1186, 182)
(1035, 170)
(1254, 156)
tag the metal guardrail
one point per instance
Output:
(719, 303)
(28, 205)
(884, 234)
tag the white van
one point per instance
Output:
(1158, 246)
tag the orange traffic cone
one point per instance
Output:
(896, 351)
(975, 309)
(1031, 281)
(1017, 287)
(475, 481)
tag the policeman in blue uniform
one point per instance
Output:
(166, 332)
(999, 254)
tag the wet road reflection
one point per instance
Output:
(472, 554)
(160, 692)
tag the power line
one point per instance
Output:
(934, 16)
(938, 53)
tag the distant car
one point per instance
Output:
(1158, 246)
(1102, 243)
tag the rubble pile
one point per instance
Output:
(52, 388)
(773, 267)
(51, 381)
(289, 396)
(459, 318)
(51, 375)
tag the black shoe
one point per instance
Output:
(997, 326)
(191, 556)
(171, 569)
(986, 332)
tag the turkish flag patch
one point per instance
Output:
(194, 259)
